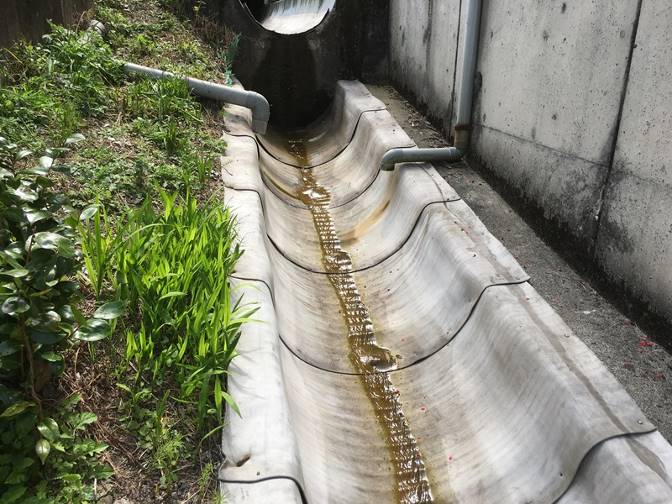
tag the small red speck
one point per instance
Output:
(423, 408)
(450, 458)
(646, 344)
(659, 376)
(629, 365)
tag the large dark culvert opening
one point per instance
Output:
(288, 78)
(294, 51)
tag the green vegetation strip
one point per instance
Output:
(117, 324)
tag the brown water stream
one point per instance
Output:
(370, 360)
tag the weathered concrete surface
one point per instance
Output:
(423, 46)
(642, 367)
(635, 236)
(28, 18)
(546, 109)
(550, 90)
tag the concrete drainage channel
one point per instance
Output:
(403, 356)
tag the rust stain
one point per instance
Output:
(353, 235)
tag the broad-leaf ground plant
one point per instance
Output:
(44, 452)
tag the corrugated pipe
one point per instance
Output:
(464, 104)
(415, 155)
(261, 110)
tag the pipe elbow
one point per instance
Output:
(389, 160)
(257, 103)
(415, 155)
(261, 111)
(98, 26)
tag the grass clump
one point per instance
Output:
(172, 266)
(46, 89)
(175, 265)
(160, 100)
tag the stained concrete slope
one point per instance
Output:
(607, 474)
(396, 199)
(505, 412)
(258, 444)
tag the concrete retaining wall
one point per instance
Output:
(423, 41)
(28, 18)
(564, 116)
(635, 237)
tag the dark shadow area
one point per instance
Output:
(287, 78)
(256, 7)
(297, 73)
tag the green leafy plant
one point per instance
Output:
(173, 264)
(73, 456)
(147, 418)
(142, 45)
(144, 137)
(170, 138)
(39, 319)
(207, 478)
(97, 240)
(162, 99)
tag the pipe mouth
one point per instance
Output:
(288, 17)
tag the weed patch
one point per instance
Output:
(47, 89)
(172, 266)
(113, 242)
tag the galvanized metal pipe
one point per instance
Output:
(470, 54)
(261, 110)
(415, 155)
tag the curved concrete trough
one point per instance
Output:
(501, 402)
